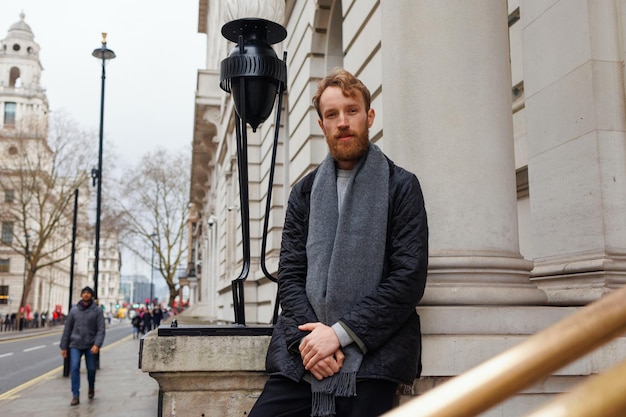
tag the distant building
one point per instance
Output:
(108, 271)
(30, 192)
(135, 289)
(28, 180)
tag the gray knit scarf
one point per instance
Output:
(345, 255)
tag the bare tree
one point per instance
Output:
(154, 209)
(42, 174)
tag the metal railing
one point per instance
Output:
(600, 395)
(504, 375)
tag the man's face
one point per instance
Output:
(86, 296)
(345, 123)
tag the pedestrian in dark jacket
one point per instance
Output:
(353, 266)
(157, 317)
(146, 320)
(83, 335)
(136, 322)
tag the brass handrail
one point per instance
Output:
(600, 395)
(497, 379)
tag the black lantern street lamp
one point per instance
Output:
(254, 75)
(104, 54)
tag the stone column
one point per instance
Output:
(576, 118)
(447, 117)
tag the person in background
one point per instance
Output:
(146, 319)
(353, 266)
(136, 322)
(157, 316)
(83, 335)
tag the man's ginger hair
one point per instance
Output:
(349, 84)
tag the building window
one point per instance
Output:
(4, 265)
(4, 294)
(7, 232)
(9, 114)
(9, 196)
(14, 77)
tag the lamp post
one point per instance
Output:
(66, 360)
(22, 309)
(254, 75)
(26, 250)
(104, 54)
(152, 237)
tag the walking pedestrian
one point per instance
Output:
(146, 319)
(136, 322)
(157, 316)
(83, 335)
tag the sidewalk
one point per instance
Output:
(122, 389)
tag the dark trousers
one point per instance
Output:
(282, 397)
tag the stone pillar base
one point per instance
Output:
(480, 280)
(205, 375)
(579, 280)
(227, 394)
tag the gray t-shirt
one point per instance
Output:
(342, 184)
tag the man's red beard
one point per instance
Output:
(348, 150)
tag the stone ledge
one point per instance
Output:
(209, 381)
(203, 353)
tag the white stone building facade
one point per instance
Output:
(513, 117)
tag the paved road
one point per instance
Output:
(121, 388)
(28, 355)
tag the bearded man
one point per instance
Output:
(353, 267)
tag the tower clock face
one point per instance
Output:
(16, 47)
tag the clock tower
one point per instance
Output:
(23, 102)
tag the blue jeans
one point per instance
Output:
(90, 362)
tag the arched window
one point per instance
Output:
(14, 77)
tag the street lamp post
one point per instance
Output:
(23, 303)
(255, 76)
(104, 54)
(152, 237)
(26, 250)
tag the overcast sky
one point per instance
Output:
(150, 85)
